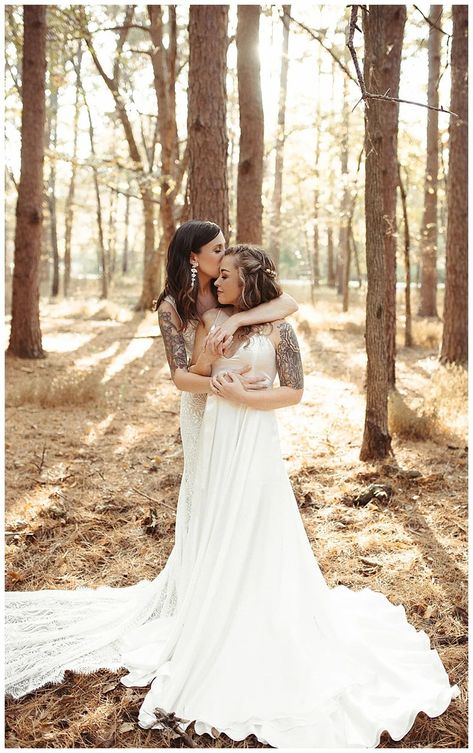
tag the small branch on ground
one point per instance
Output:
(152, 499)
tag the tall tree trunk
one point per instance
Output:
(164, 69)
(428, 280)
(25, 334)
(53, 107)
(345, 202)
(455, 315)
(112, 234)
(206, 114)
(407, 265)
(125, 241)
(350, 240)
(388, 64)
(69, 210)
(275, 238)
(250, 164)
(315, 259)
(101, 250)
(330, 260)
(376, 438)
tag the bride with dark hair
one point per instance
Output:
(51, 631)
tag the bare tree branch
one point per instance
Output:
(318, 38)
(365, 95)
(431, 23)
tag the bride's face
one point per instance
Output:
(228, 283)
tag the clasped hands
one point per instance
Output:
(230, 384)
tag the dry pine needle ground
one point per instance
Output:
(94, 427)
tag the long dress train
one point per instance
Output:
(50, 631)
(246, 636)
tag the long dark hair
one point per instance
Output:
(188, 238)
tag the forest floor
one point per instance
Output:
(94, 428)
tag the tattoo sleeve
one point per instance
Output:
(288, 358)
(173, 343)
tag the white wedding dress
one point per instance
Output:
(239, 632)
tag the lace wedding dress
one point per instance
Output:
(240, 632)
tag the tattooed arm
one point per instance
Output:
(176, 352)
(291, 376)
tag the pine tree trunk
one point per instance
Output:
(331, 280)
(112, 234)
(53, 105)
(428, 280)
(164, 83)
(275, 238)
(101, 251)
(407, 265)
(315, 260)
(150, 277)
(25, 334)
(250, 164)
(376, 439)
(344, 208)
(206, 118)
(125, 241)
(455, 315)
(388, 63)
(69, 210)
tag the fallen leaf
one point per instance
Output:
(126, 727)
(109, 687)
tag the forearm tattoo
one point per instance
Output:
(173, 343)
(288, 358)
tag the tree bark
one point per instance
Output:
(53, 106)
(388, 64)
(164, 69)
(315, 260)
(330, 260)
(455, 316)
(25, 333)
(250, 163)
(206, 114)
(407, 265)
(428, 279)
(275, 239)
(125, 240)
(376, 439)
(69, 210)
(101, 250)
(343, 249)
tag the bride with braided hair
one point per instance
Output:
(260, 644)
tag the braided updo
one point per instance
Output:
(257, 273)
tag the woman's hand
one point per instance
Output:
(228, 385)
(220, 338)
(259, 381)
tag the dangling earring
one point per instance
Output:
(194, 266)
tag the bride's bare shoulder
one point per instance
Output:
(209, 317)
